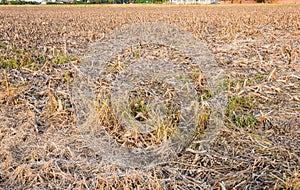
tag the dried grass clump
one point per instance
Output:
(151, 109)
(148, 95)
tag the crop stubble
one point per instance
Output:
(257, 147)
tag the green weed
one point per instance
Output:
(238, 111)
(139, 107)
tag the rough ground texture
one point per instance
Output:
(41, 50)
(164, 72)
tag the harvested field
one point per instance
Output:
(43, 146)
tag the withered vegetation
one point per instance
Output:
(258, 146)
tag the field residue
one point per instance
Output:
(258, 146)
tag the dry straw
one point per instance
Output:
(144, 92)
